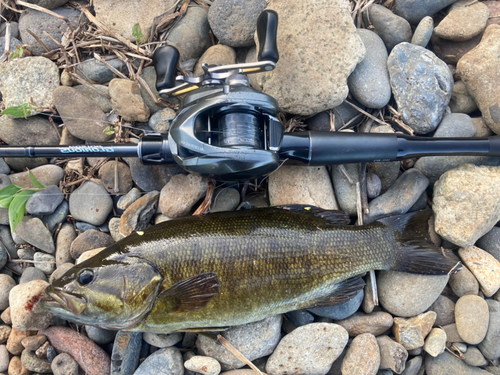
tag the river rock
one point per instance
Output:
(32, 230)
(14, 345)
(123, 15)
(17, 89)
(100, 205)
(405, 294)
(218, 54)
(127, 100)
(60, 270)
(13, 43)
(315, 355)
(127, 350)
(63, 244)
(390, 27)
(149, 76)
(86, 120)
(414, 11)
(96, 71)
(138, 215)
(5, 331)
(464, 21)
(126, 200)
(161, 120)
(167, 361)
(423, 33)
(150, 177)
(464, 283)
(369, 82)
(44, 262)
(4, 358)
(107, 177)
(100, 336)
(88, 254)
(6, 284)
(90, 239)
(375, 323)
(26, 313)
(478, 69)
(490, 346)
(474, 357)
(342, 114)
(225, 199)
(451, 52)
(33, 363)
(344, 190)
(162, 341)
(485, 268)
(64, 364)
(4, 170)
(472, 316)
(444, 309)
(411, 332)
(362, 357)
(399, 198)
(46, 174)
(458, 205)
(102, 100)
(203, 365)
(34, 131)
(45, 202)
(422, 85)
(342, 310)
(300, 317)
(302, 185)
(447, 363)
(392, 355)
(191, 35)
(253, 340)
(312, 55)
(435, 343)
(461, 101)
(490, 242)
(180, 194)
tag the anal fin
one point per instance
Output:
(345, 290)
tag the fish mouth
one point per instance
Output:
(54, 299)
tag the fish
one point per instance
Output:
(210, 272)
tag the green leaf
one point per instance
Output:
(19, 110)
(34, 181)
(17, 208)
(7, 194)
(19, 52)
(137, 33)
(110, 130)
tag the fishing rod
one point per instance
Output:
(229, 130)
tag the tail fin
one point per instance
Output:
(415, 254)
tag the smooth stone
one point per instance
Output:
(32, 230)
(22, 164)
(461, 101)
(399, 198)
(89, 254)
(149, 76)
(490, 346)
(16, 367)
(103, 101)
(85, 121)
(423, 33)
(4, 168)
(494, 8)
(373, 185)
(342, 311)
(362, 356)
(325, 343)
(302, 185)
(300, 317)
(191, 35)
(387, 171)
(64, 364)
(218, 54)
(126, 200)
(253, 340)
(225, 199)
(392, 354)
(447, 363)
(4, 358)
(100, 336)
(181, 193)
(407, 295)
(422, 85)
(472, 317)
(161, 120)
(100, 205)
(33, 363)
(414, 11)
(13, 43)
(435, 343)
(83, 227)
(4, 179)
(33, 131)
(444, 309)
(4, 255)
(107, 177)
(127, 100)
(16, 89)
(474, 357)
(41, 23)
(234, 22)
(464, 283)
(345, 192)
(375, 323)
(151, 177)
(65, 238)
(312, 56)
(89, 240)
(14, 29)
(203, 365)
(6, 284)
(46, 174)
(122, 15)
(413, 366)
(32, 273)
(26, 313)
(45, 262)
(411, 332)
(45, 202)
(478, 69)
(114, 229)
(490, 242)
(8, 243)
(57, 217)
(464, 21)
(461, 193)
(5, 331)
(342, 114)
(126, 353)
(162, 341)
(97, 72)
(138, 215)
(166, 361)
(484, 267)
(90, 356)
(451, 52)
(14, 345)
(60, 271)
(389, 26)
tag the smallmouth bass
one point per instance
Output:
(232, 268)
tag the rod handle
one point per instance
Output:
(165, 62)
(267, 30)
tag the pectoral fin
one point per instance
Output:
(191, 294)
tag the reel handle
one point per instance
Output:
(165, 61)
(267, 30)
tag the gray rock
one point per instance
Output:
(203, 365)
(127, 100)
(190, 36)
(423, 34)
(369, 82)
(400, 197)
(126, 200)
(392, 354)
(422, 85)
(100, 205)
(342, 311)
(107, 177)
(447, 363)
(463, 283)
(65, 238)
(22, 164)
(4, 358)
(234, 22)
(160, 121)
(333, 53)
(27, 80)
(4, 255)
(104, 102)
(33, 363)
(406, 295)
(473, 357)
(300, 317)
(32, 273)
(45, 262)
(35, 233)
(413, 366)
(180, 194)
(95, 71)
(459, 195)
(114, 229)
(4, 216)
(490, 346)
(315, 355)
(151, 177)
(46, 174)
(414, 11)
(362, 356)
(64, 364)
(89, 240)
(25, 319)
(472, 318)
(14, 29)
(6, 239)
(485, 268)
(343, 114)
(219, 54)
(388, 171)
(57, 217)
(83, 227)
(253, 340)
(490, 242)
(49, 4)
(344, 190)
(45, 202)
(390, 27)
(435, 343)
(13, 43)
(411, 332)
(4, 179)
(126, 353)
(444, 309)
(461, 101)
(162, 341)
(149, 76)
(138, 215)
(60, 270)
(100, 336)
(225, 199)
(167, 361)
(375, 323)
(40, 23)
(6, 284)
(4, 168)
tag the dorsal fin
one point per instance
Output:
(333, 217)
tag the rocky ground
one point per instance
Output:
(421, 67)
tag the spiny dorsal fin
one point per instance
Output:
(333, 217)
(191, 294)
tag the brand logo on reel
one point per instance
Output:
(70, 149)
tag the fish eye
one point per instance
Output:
(85, 277)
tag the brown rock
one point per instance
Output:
(411, 332)
(485, 268)
(450, 52)
(17, 368)
(14, 345)
(91, 358)
(180, 194)
(494, 7)
(362, 357)
(90, 239)
(375, 323)
(452, 333)
(472, 316)
(139, 214)
(88, 254)
(215, 55)
(392, 354)
(4, 333)
(127, 100)
(6, 316)
(107, 177)
(33, 342)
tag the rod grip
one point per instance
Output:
(267, 30)
(165, 62)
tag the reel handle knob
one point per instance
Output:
(165, 62)
(267, 29)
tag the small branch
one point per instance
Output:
(45, 10)
(238, 354)
(114, 70)
(38, 40)
(344, 172)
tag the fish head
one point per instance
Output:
(111, 294)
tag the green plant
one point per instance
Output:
(15, 197)
(110, 130)
(19, 111)
(137, 34)
(18, 52)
